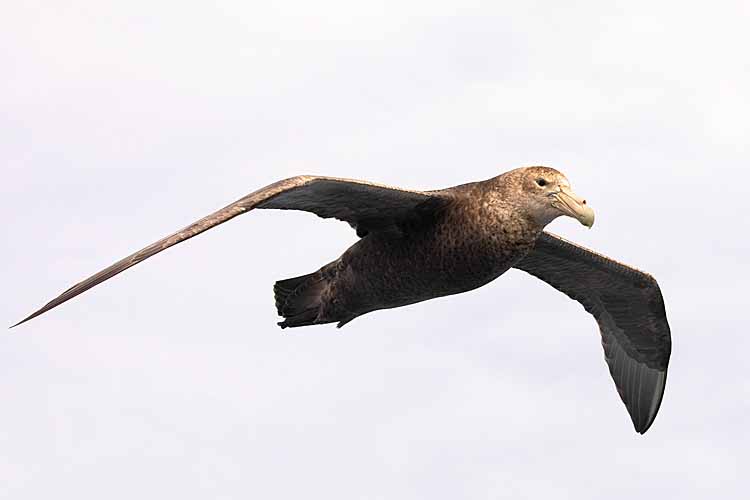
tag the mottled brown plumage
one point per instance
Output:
(460, 239)
(418, 245)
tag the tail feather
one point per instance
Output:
(298, 299)
(283, 290)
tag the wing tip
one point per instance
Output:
(641, 429)
(38, 312)
(27, 318)
(649, 418)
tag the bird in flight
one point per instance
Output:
(419, 245)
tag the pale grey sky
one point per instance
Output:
(123, 122)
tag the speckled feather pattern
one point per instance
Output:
(470, 241)
(417, 245)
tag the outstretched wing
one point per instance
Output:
(629, 308)
(360, 203)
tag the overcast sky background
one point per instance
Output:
(122, 123)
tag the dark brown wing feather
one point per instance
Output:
(357, 202)
(629, 308)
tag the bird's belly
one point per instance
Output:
(386, 274)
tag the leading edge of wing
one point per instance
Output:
(232, 210)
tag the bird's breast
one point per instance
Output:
(447, 258)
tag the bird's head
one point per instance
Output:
(546, 195)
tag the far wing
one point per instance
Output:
(628, 306)
(357, 202)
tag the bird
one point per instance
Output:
(418, 245)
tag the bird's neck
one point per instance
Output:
(489, 215)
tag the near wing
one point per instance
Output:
(364, 205)
(629, 308)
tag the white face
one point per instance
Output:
(550, 196)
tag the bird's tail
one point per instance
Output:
(298, 299)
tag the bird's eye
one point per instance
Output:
(541, 182)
